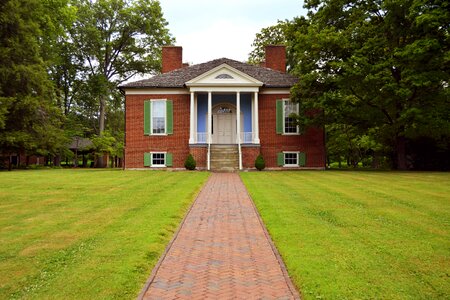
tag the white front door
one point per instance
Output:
(225, 128)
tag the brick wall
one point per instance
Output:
(136, 143)
(311, 142)
(249, 155)
(199, 154)
(172, 58)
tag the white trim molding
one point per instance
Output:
(156, 91)
(275, 91)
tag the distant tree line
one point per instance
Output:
(375, 74)
(60, 64)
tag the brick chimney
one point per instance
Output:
(172, 57)
(276, 57)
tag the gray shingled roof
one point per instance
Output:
(177, 78)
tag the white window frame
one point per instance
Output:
(165, 116)
(291, 152)
(158, 166)
(287, 100)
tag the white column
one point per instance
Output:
(209, 117)
(238, 117)
(208, 157)
(238, 127)
(192, 118)
(256, 112)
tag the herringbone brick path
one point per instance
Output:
(221, 251)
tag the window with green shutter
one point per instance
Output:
(291, 159)
(285, 123)
(158, 117)
(157, 159)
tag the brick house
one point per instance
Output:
(223, 112)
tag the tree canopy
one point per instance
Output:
(377, 71)
(60, 64)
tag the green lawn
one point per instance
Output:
(359, 235)
(87, 234)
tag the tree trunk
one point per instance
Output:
(57, 160)
(75, 159)
(10, 163)
(101, 125)
(400, 149)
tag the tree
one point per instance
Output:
(272, 35)
(28, 121)
(118, 39)
(379, 66)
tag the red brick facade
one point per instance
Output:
(249, 155)
(311, 142)
(136, 143)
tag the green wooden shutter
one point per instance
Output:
(168, 159)
(169, 116)
(280, 159)
(147, 159)
(280, 121)
(147, 116)
(302, 159)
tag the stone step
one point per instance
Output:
(224, 158)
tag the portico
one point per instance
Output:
(224, 107)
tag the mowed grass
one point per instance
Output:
(359, 235)
(87, 234)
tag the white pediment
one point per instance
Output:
(223, 76)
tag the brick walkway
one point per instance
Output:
(221, 251)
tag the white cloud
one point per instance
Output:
(213, 29)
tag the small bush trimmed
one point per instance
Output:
(260, 164)
(190, 163)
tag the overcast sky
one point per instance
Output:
(209, 29)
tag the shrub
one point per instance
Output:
(190, 163)
(260, 164)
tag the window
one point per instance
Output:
(285, 124)
(289, 122)
(158, 117)
(158, 159)
(291, 159)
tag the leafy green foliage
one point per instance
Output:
(190, 163)
(272, 35)
(260, 164)
(381, 67)
(28, 121)
(118, 39)
(375, 69)
(60, 63)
